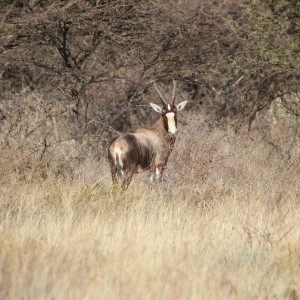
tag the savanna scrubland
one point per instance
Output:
(223, 223)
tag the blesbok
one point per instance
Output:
(146, 148)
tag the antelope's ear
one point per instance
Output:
(156, 107)
(181, 105)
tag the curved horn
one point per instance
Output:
(173, 94)
(159, 93)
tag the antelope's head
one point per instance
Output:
(168, 111)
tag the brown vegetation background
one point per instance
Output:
(224, 221)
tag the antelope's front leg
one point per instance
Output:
(158, 172)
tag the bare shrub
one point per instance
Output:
(36, 133)
(232, 57)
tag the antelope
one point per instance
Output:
(146, 148)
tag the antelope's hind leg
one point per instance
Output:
(127, 179)
(114, 174)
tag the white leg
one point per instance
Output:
(158, 173)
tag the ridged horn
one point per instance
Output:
(159, 93)
(173, 94)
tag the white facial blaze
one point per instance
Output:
(171, 123)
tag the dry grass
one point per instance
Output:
(223, 225)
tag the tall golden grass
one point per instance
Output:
(224, 224)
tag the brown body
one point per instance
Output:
(146, 148)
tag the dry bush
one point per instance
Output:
(222, 224)
(233, 56)
(40, 135)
